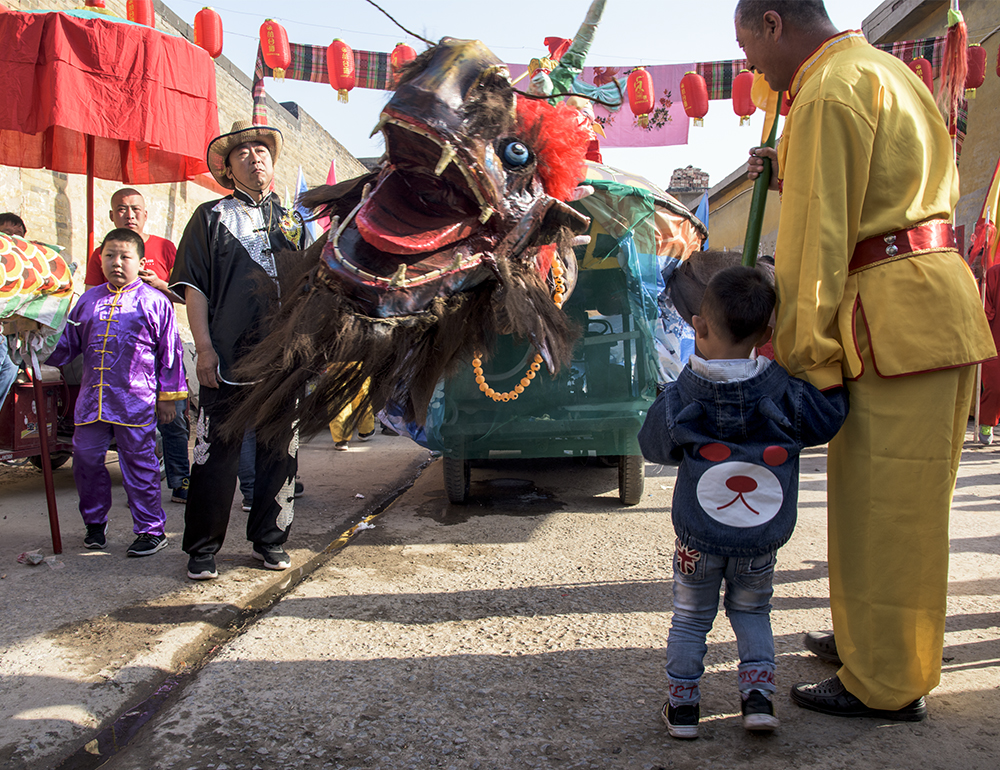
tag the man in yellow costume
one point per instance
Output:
(872, 290)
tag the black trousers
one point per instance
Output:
(213, 482)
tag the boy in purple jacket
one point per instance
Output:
(132, 374)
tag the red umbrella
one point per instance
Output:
(86, 93)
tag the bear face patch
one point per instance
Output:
(737, 493)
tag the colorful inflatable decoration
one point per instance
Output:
(36, 284)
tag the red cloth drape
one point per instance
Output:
(148, 98)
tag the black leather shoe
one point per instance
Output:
(822, 646)
(831, 697)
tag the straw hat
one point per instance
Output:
(242, 131)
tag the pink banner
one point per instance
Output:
(668, 125)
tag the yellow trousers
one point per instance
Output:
(892, 470)
(344, 424)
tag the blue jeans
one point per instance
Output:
(248, 457)
(8, 370)
(175, 437)
(697, 580)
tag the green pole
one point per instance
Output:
(759, 201)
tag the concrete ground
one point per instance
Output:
(525, 630)
(88, 633)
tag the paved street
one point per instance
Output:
(525, 630)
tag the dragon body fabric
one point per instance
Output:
(449, 243)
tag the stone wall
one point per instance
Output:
(53, 205)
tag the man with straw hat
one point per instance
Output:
(226, 272)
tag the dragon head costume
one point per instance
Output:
(461, 234)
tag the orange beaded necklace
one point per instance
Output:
(558, 296)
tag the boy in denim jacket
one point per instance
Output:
(736, 425)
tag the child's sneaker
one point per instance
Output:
(758, 712)
(341, 446)
(97, 536)
(147, 544)
(986, 434)
(247, 504)
(366, 436)
(681, 721)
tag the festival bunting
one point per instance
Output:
(668, 123)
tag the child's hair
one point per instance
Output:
(10, 218)
(739, 300)
(124, 235)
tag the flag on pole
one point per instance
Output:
(702, 213)
(984, 248)
(312, 229)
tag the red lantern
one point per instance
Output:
(274, 47)
(401, 55)
(340, 66)
(977, 70)
(922, 68)
(94, 3)
(742, 100)
(694, 96)
(141, 12)
(208, 31)
(640, 95)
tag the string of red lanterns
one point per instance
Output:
(141, 12)
(742, 98)
(922, 69)
(977, 70)
(208, 31)
(640, 95)
(694, 97)
(340, 66)
(274, 47)
(401, 55)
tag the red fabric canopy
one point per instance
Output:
(147, 97)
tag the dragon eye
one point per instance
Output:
(516, 154)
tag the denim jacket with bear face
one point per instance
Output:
(738, 446)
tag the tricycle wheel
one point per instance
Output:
(56, 460)
(456, 479)
(631, 478)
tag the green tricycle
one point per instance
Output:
(595, 406)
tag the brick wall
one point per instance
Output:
(53, 205)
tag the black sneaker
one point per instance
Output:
(366, 436)
(180, 495)
(273, 556)
(758, 712)
(681, 721)
(97, 536)
(299, 488)
(202, 567)
(247, 504)
(147, 544)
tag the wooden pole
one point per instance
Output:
(759, 200)
(46, 460)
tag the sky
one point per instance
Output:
(632, 32)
